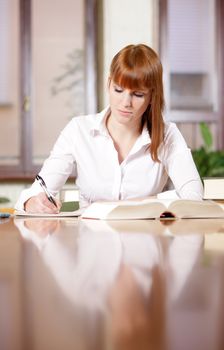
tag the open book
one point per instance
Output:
(144, 209)
(154, 208)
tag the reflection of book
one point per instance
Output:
(153, 208)
(213, 187)
(156, 227)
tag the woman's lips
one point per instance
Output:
(124, 113)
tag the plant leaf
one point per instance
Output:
(206, 135)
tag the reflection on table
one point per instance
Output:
(91, 284)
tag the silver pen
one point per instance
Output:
(43, 185)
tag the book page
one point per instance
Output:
(196, 209)
(125, 210)
(141, 211)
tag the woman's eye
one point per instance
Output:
(117, 89)
(138, 94)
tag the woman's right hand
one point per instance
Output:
(41, 204)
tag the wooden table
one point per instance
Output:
(88, 284)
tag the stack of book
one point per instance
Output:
(214, 188)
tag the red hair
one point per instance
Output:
(137, 67)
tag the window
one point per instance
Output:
(52, 77)
(191, 50)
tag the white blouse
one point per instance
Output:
(86, 149)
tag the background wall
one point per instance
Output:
(124, 22)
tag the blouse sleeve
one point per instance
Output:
(56, 168)
(180, 166)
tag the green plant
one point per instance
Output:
(209, 162)
(4, 200)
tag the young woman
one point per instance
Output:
(126, 151)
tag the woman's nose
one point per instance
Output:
(127, 99)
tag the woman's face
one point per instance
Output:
(127, 106)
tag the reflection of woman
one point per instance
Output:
(137, 322)
(103, 270)
(138, 318)
(94, 256)
(127, 150)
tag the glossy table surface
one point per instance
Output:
(90, 284)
